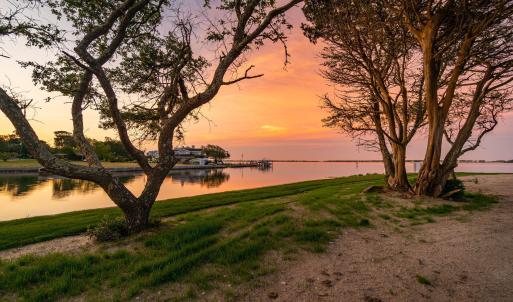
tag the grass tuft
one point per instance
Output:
(423, 280)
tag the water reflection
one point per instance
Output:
(32, 195)
(205, 178)
(18, 185)
(22, 185)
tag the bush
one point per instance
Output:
(4, 156)
(109, 229)
(112, 229)
(455, 184)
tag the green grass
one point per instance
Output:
(423, 280)
(225, 244)
(201, 250)
(31, 230)
(423, 212)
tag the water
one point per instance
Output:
(33, 195)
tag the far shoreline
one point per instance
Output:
(32, 167)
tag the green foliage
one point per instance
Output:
(423, 280)
(12, 147)
(455, 184)
(422, 213)
(109, 229)
(111, 150)
(63, 139)
(65, 145)
(215, 152)
(478, 201)
(15, 22)
(4, 156)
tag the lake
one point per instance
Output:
(29, 195)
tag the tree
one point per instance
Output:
(467, 66)
(110, 150)
(14, 22)
(216, 152)
(63, 139)
(4, 156)
(13, 145)
(368, 56)
(145, 81)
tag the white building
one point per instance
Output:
(188, 151)
(153, 154)
(201, 161)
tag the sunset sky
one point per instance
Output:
(277, 116)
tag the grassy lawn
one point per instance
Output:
(212, 241)
(31, 230)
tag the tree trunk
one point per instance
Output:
(137, 217)
(399, 180)
(137, 209)
(432, 178)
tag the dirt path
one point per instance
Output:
(462, 261)
(59, 245)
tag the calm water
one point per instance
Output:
(32, 195)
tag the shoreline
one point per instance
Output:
(40, 170)
(45, 227)
(299, 242)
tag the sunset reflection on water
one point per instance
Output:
(32, 195)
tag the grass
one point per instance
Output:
(21, 232)
(225, 244)
(424, 212)
(423, 280)
(214, 242)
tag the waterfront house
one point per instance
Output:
(186, 154)
(153, 154)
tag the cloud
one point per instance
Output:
(272, 128)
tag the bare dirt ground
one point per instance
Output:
(462, 260)
(60, 245)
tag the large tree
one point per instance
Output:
(467, 66)
(216, 152)
(134, 61)
(368, 56)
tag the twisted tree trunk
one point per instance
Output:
(136, 210)
(399, 180)
(431, 179)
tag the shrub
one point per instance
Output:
(109, 229)
(455, 184)
(112, 229)
(4, 156)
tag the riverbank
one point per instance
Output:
(32, 166)
(242, 245)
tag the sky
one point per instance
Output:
(277, 116)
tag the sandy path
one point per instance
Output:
(464, 261)
(59, 245)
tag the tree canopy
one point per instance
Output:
(216, 152)
(134, 61)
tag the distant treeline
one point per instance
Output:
(11, 147)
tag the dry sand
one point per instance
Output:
(464, 261)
